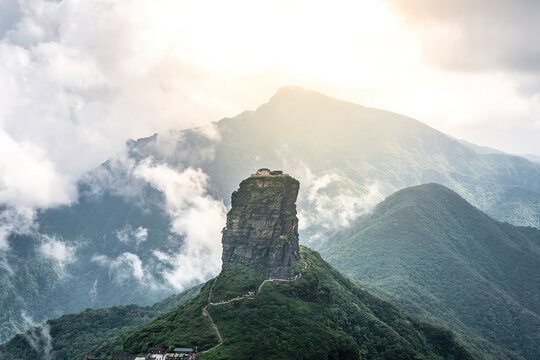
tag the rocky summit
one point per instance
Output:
(262, 227)
(271, 301)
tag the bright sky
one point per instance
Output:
(79, 77)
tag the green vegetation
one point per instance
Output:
(183, 326)
(91, 331)
(439, 258)
(321, 315)
(255, 194)
(309, 133)
(41, 289)
(236, 280)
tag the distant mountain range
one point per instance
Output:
(531, 157)
(436, 256)
(125, 233)
(488, 150)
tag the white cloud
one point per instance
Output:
(38, 337)
(196, 216)
(332, 202)
(141, 234)
(81, 77)
(57, 250)
(78, 80)
(28, 178)
(328, 202)
(19, 220)
(127, 267)
(129, 235)
(101, 259)
(210, 131)
(128, 261)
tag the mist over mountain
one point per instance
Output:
(481, 149)
(438, 257)
(275, 300)
(147, 223)
(531, 157)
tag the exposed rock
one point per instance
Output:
(262, 227)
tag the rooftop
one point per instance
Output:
(268, 172)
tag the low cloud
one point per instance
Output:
(38, 337)
(131, 263)
(196, 216)
(18, 220)
(210, 131)
(331, 202)
(124, 268)
(334, 201)
(115, 176)
(28, 178)
(129, 235)
(174, 148)
(81, 78)
(13, 220)
(57, 250)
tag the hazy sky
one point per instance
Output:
(79, 77)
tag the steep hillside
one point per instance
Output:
(320, 315)
(73, 336)
(349, 157)
(44, 288)
(291, 306)
(439, 257)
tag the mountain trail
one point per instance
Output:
(248, 295)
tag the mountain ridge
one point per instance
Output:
(349, 157)
(246, 331)
(427, 246)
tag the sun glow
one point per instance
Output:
(308, 41)
(135, 67)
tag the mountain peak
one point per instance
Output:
(429, 200)
(294, 93)
(292, 89)
(427, 239)
(262, 227)
(427, 196)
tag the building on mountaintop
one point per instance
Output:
(263, 171)
(268, 172)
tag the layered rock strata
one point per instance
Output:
(262, 227)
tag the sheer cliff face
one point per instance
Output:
(262, 227)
